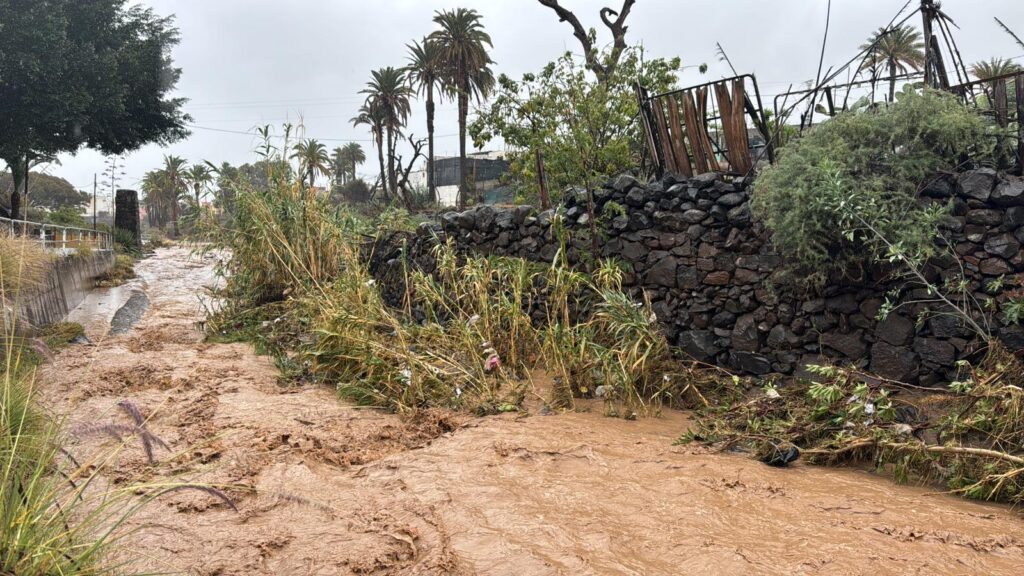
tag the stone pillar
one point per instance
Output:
(126, 216)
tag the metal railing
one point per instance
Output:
(57, 237)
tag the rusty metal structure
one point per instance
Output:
(992, 97)
(707, 127)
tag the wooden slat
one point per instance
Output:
(725, 111)
(999, 103)
(705, 138)
(693, 133)
(734, 126)
(664, 143)
(741, 140)
(682, 156)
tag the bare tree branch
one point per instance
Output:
(617, 27)
(417, 150)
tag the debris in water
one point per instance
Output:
(780, 456)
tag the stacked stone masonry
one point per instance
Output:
(710, 272)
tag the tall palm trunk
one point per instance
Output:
(174, 211)
(463, 112)
(379, 137)
(431, 190)
(392, 180)
(892, 80)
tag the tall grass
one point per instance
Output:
(467, 333)
(24, 264)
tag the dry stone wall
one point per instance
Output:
(712, 276)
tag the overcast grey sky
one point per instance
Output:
(252, 62)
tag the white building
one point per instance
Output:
(485, 172)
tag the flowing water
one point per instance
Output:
(323, 487)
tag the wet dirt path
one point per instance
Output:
(333, 489)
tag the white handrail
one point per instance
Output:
(62, 235)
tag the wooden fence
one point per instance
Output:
(706, 128)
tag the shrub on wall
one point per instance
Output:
(847, 192)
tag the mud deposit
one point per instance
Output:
(326, 488)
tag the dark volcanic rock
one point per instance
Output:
(700, 344)
(895, 329)
(1004, 245)
(895, 362)
(850, 345)
(1009, 193)
(935, 351)
(750, 363)
(663, 272)
(978, 183)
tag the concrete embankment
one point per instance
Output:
(67, 284)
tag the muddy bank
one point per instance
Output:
(323, 487)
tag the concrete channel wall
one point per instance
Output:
(70, 279)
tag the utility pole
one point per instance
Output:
(94, 201)
(934, 67)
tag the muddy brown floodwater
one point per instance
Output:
(323, 487)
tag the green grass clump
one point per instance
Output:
(122, 271)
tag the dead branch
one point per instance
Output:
(403, 181)
(962, 450)
(617, 27)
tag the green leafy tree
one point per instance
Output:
(66, 216)
(462, 45)
(388, 94)
(898, 50)
(313, 160)
(76, 74)
(583, 128)
(841, 197)
(426, 70)
(49, 192)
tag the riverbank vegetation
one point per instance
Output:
(467, 334)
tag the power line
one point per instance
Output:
(254, 134)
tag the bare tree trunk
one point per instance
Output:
(431, 189)
(545, 199)
(18, 176)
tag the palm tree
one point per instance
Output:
(372, 117)
(313, 159)
(356, 156)
(198, 177)
(898, 48)
(174, 172)
(993, 67)
(339, 164)
(154, 193)
(462, 50)
(426, 71)
(388, 93)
